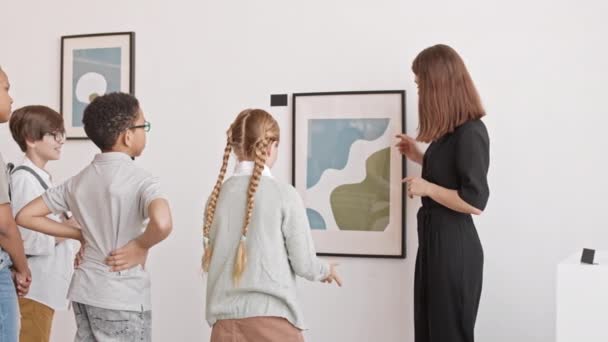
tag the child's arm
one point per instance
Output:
(34, 216)
(11, 242)
(299, 243)
(136, 251)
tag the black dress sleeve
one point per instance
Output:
(472, 163)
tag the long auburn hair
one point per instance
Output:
(249, 136)
(447, 97)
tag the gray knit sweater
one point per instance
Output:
(279, 247)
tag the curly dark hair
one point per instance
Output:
(109, 115)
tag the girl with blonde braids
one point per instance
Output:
(257, 239)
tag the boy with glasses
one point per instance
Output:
(112, 199)
(40, 134)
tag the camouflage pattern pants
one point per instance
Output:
(104, 325)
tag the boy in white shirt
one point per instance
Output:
(40, 134)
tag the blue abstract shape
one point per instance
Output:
(315, 219)
(104, 61)
(330, 141)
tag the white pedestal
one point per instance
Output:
(582, 299)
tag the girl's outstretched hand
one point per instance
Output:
(333, 275)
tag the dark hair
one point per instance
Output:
(447, 97)
(109, 115)
(33, 122)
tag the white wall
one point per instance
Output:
(540, 68)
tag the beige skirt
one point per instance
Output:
(255, 329)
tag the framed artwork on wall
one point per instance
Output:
(93, 65)
(348, 172)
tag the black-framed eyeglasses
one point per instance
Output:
(146, 126)
(58, 136)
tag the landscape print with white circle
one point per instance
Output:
(96, 72)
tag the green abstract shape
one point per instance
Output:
(365, 206)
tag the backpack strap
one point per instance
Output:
(29, 169)
(12, 169)
(9, 169)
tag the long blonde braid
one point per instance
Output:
(249, 136)
(212, 203)
(260, 149)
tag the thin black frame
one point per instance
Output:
(131, 35)
(403, 164)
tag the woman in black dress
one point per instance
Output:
(449, 264)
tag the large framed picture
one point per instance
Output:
(348, 172)
(93, 65)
